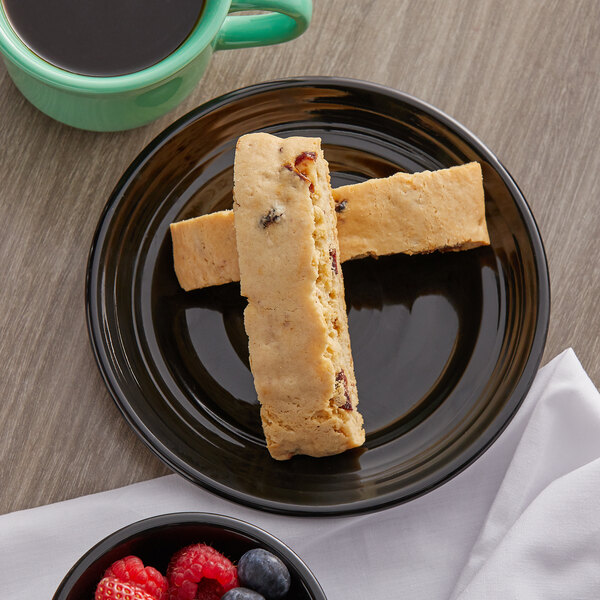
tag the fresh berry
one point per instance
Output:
(110, 588)
(131, 570)
(263, 572)
(199, 572)
(242, 593)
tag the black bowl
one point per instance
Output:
(156, 539)
(445, 345)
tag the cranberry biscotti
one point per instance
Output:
(408, 213)
(288, 252)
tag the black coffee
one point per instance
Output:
(103, 37)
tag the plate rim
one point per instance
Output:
(169, 458)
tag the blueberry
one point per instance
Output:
(241, 593)
(262, 571)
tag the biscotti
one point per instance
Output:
(405, 213)
(296, 321)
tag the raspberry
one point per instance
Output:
(131, 570)
(200, 572)
(110, 588)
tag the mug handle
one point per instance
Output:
(288, 20)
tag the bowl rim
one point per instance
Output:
(174, 462)
(160, 521)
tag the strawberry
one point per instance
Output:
(131, 570)
(110, 588)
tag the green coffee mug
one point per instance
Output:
(127, 101)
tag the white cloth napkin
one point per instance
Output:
(523, 522)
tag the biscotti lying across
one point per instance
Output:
(413, 213)
(402, 214)
(296, 319)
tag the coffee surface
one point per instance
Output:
(103, 37)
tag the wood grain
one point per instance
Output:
(521, 74)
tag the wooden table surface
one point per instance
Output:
(523, 75)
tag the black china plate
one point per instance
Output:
(445, 345)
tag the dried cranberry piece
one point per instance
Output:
(305, 156)
(334, 263)
(294, 168)
(273, 216)
(341, 376)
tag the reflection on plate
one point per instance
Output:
(445, 345)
